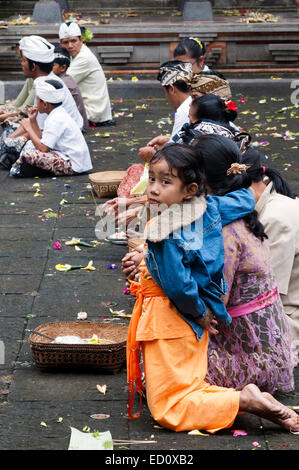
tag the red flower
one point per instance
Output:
(231, 105)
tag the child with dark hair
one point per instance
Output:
(208, 114)
(181, 283)
(62, 60)
(214, 114)
(58, 149)
(192, 50)
(257, 346)
(278, 210)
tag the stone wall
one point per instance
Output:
(26, 6)
(233, 47)
(254, 4)
(17, 6)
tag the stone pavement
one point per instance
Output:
(33, 292)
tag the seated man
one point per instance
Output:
(88, 74)
(18, 108)
(62, 61)
(60, 148)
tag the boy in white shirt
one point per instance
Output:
(60, 148)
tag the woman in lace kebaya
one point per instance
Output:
(257, 347)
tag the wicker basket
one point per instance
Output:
(105, 183)
(102, 357)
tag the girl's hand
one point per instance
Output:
(111, 206)
(208, 322)
(159, 141)
(25, 123)
(130, 263)
(211, 327)
(127, 216)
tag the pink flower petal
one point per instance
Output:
(239, 432)
(57, 246)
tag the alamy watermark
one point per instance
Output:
(295, 94)
(132, 222)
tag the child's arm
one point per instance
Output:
(7, 115)
(32, 115)
(34, 135)
(234, 205)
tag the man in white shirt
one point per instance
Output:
(174, 76)
(87, 72)
(61, 148)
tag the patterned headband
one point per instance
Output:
(169, 75)
(205, 83)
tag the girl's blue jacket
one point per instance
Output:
(185, 252)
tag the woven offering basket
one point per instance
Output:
(102, 357)
(105, 183)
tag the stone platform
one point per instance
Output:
(37, 408)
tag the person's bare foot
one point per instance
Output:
(256, 402)
(271, 398)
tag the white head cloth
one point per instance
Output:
(37, 49)
(47, 92)
(70, 31)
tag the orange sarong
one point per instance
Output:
(175, 366)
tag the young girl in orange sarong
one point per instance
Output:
(178, 302)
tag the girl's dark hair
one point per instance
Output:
(257, 172)
(213, 107)
(47, 67)
(191, 47)
(180, 84)
(185, 160)
(218, 153)
(66, 60)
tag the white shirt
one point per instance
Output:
(63, 136)
(89, 76)
(68, 103)
(181, 116)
